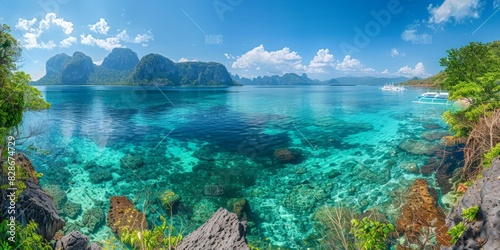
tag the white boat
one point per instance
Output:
(434, 98)
(392, 87)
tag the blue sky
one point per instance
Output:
(324, 39)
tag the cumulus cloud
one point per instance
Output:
(106, 43)
(100, 27)
(407, 71)
(67, 42)
(457, 9)
(111, 42)
(321, 62)
(395, 52)
(32, 31)
(187, 60)
(349, 64)
(279, 61)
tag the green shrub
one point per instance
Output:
(492, 154)
(158, 238)
(371, 235)
(457, 231)
(469, 214)
(25, 237)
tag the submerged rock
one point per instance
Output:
(93, 219)
(223, 231)
(100, 176)
(484, 231)
(420, 213)
(123, 215)
(131, 162)
(418, 147)
(71, 209)
(59, 196)
(284, 155)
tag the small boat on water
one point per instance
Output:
(434, 98)
(392, 87)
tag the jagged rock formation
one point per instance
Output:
(55, 64)
(121, 59)
(75, 241)
(123, 67)
(223, 231)
(157, 69)
(78, 69)
(484, 231)
(123, 215)
(421, 214)
(34, 204)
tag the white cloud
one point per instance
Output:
(67, 42)
(24, 24)
(458, 9)
(321, 62)
(228, 56)
(349, 64)
(385, 72)
(409, 34)
(106, 43)
(100, 27)
(98, 62)
(396, 52)
(33, 33)
(116, 41)
(407, 71)
(187, 60)
(279, 61)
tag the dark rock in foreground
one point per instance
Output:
(34, 204)
(223, 231)
(484, 232)
(75, 241)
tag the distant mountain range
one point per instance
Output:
(123, 67)
(294, 79)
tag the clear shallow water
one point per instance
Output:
(192, 141)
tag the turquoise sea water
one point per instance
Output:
(213, 145)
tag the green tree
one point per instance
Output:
(16, 95)
(472, 75)
(465, 64)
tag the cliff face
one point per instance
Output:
(156, 69)
(55, 64)
(484, 231)
(121, 59)
(78, 69)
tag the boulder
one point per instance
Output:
(223, 231)
(484, 231)
(123, 215)
(421, 213)
(75, 241)
(34, 204)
